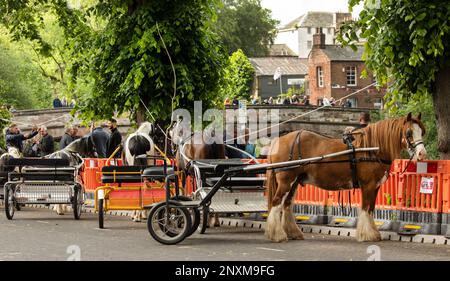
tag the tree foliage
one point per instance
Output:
(4, 115)
(408, 49)
(118, 49)
(244, 24)
(21, 83)
(407, 43)
(238, 77)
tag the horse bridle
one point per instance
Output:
(412, 145)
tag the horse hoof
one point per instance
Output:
(373, 236)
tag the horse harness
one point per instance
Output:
(353, 159)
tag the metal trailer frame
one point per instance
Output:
(172, 221)
(42, 181)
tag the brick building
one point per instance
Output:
(335, 71)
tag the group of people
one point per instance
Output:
(106, 143)
(39, 143)
(294, 100)
(57, 102)
(333, 102)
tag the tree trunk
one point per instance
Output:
(441, 100)
(140, 114)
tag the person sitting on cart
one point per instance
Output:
(46, 144)
(14, 139)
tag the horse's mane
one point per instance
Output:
(145, 128)
(385, 134)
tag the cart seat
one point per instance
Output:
(157, 173)
(122, 174)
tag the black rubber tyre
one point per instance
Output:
(179, 217)
(77, 204)
(9, 202)
(101, 214)
(195, 213)
(203, 225)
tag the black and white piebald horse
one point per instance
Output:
(139, 143)
(83, 147)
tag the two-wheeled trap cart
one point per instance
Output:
(42, 181)
(171, 221)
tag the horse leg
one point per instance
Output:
(216, 220)
(274, 225)
(288, 220)
(59, 209)
(366, 229)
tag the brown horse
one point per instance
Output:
(195, 148)
(372, 169)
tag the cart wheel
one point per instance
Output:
(169, 225)
(9, 202)
(204, 220)
(101, 214)
(77, 204)
(18, 206)
(195, 213)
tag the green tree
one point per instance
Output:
(238, 78)
(244, 24)
(4, 115)
(408, 48)
(21, 83)
(124, 49)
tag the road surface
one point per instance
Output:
(40, 234)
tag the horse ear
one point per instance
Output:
(409, 117)
(419, 117)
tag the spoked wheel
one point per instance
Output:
(10, 202)
(169, 225)
(101, 214)
(195, 213)
(77, 201)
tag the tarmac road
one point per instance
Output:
(40, 234)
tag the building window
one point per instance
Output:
(309, 30)
(378, 103)
(309, 44)
(319, 77)
(353, 102)
(351, 75)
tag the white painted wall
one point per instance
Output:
(290, 38)
(298, 39)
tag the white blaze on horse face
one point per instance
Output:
(420, 151)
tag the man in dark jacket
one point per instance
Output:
(68, 137)
(15, 139)
(115, 139)
(46, 144)
(100, 138)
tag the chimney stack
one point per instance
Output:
(319, 39)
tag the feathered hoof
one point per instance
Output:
(368, 236)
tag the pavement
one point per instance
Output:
(40, 234)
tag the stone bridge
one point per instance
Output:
(329, 121)
(56, 121)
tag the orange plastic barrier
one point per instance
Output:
(92, 169)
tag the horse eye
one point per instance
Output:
(409, 133)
